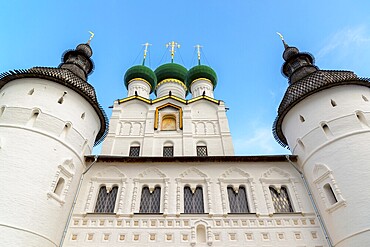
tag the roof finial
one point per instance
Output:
(198, 51)
(91, 37)
(282, 39)
(145, 51)
(173, 45)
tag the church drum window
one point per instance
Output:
(193, 200)
(167, 151)
(106, 200)
(280, 199)
(134, 151)
(237, 200)
(150, 200)
(202, 151)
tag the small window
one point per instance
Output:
(150, 200)
(202, 151)
(106, 200)
(330, 194)
(280, 199)
(167, 151)
(134, 151)
(168, 122)
(237, 200)
(59, 187)
(193, 200)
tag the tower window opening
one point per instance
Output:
(59, 187)
(280, 199)
(202, 151)
(33, 118)
(333, 103)
(237, 200)
(301, 118)
(327, 130)
(193, 200)
(150, 200)
(61, 99)
(106, 200)
(300, 143)
(83, 116)
(31, 91)
(365, 98)
(360, 116)
(65, 130)
(330, 194)
(167, 151)
(2, 109)
(134, 151)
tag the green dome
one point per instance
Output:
(143, 72)
(201, 71)
(171, 70)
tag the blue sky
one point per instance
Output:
(238, 37)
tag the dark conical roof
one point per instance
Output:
(143, 72)
(201, 71)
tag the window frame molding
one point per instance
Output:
(66, 171)
(243, 179)
(201, 180)
(147, 179)
(284, 179)
(327, 177)
(96, 183)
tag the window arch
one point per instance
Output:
(106, 200)
(280, 199)
(237, 199)
(193, 200)
(150, 200)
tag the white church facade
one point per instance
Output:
(167, 174)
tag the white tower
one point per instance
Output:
(324, 118)
(49, 119)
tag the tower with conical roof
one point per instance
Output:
(169, 125)
(49, 119)
(324, 119)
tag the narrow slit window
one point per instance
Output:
(83, 116)
(360, 116)
(31, 91)
(333, 103)
(330, 194)
(327, 130)
(365, 98)
(301, 118)
(59, 187)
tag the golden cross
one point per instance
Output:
(145, 50)
(280, 35)
(198, 51)
(173, 45)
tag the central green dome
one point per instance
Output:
(142, 72)
(201, 71)
(171, 70)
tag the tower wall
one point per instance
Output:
(176, 89)
(46, 128)
(199, 86)
(329, 131)
(140, 87)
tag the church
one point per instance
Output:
(167, 174)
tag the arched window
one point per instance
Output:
(150, 200)
(201, 234)
(193, 200)
(106, 200)
(237, 200)
(60, 186)
(280, 199)
(168, 122)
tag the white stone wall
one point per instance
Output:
(329, 131)
(141, 88)
(177, 89)
(132, 122)
(42, 138)
(217, 227)
(199, 86)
